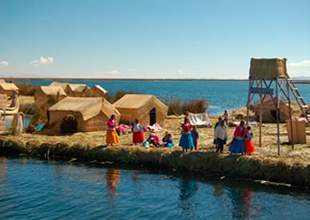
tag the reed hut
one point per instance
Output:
(76, 90)
(46, 96)
(73, 90)
(147, 108)
(8, 88)
(96, 91)
(269, 110)
(88, 113)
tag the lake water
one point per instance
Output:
(220, 94)
(37, 189)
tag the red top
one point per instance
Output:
(186, 127)
(238, 131)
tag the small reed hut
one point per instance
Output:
(147, 108)
(96, 91)
(8, 88)
(88, 113)
(269, 109)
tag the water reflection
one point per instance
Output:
(188, 189)
(241, 199)
(112, 178)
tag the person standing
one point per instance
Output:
(112, 137)
(137, 130)
(195, 136)
(220, 135)
(225, 115)
(237, 144)
(248, 143)
(186, 140)
(215, 126)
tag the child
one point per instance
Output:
(167, 140)
(153, 138)
(195, 136)
(248, 143)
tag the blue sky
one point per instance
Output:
(151, 38)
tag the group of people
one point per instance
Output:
(138, 135)
(242, 139)
(240, 144)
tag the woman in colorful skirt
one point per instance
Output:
(186, 141)
(237, 145)
(112, 137)
(248, 143)
(137, 130)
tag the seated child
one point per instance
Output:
(167, 140)
(153, 138)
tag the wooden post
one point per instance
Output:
(278, 117)
(290, 112)
(260, 113)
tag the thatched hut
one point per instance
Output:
(89, 114)
(147, 108)
(96, 91)
(76, 90)
(73, 90)
(46, 96)
(8, 88)
(269, 110)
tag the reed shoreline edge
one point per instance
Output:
(205, 163)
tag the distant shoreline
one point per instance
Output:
(297, 81)
(122, 79)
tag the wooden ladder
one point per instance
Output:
(300, 100)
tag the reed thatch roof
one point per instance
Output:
(268, 68)
(53, 90)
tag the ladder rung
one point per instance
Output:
(308, 116)
(294, 88)
(305, 106)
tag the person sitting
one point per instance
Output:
(167, 140)
(153, 138)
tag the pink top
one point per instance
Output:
(155, 137)
(111, 124)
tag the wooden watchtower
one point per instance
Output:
(269, 78)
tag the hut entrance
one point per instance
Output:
(153, 116)
(68, 124)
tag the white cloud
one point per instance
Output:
(299, 64)
(113, 72)
(43, 60)
(4, 63)
(181, 72)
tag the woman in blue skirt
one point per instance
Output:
(186, 141)
(237, 144)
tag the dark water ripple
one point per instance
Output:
(32, 189)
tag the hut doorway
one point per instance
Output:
(153, 116)
(68, 124)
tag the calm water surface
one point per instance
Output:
(35, 189)
(220, 94)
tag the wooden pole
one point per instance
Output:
(278, 116)
(260, 113)
(290, 112)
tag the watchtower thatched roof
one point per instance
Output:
(268, 68)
